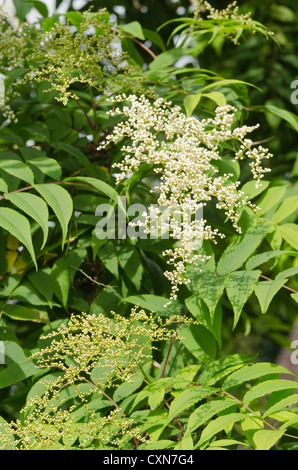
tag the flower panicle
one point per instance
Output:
(185, 152)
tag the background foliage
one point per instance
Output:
(200, 389)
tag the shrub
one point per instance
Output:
(176, 267)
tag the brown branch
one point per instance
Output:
(255, 414)
(170, 349)
(89, 277)
(286, 287)
(91, 124)
(139, 43)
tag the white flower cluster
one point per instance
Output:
(184, 152)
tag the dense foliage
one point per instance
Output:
(148, 236)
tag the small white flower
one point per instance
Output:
(185, 152)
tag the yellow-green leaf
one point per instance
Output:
(61, 203)
(18, 225)
(33, 206)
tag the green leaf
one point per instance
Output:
(283, 13)
(287, 273)
(17, 372)
(158, 386)
(229, 165)
(199, 341)
(223, 367)
(19, 227)
(134, 28)
(134, 57)
(220, 443)
(9, 136)
(41, 280)
(186, 443)
(48, 166)
(40, 7)
(291, 118)
(270, 198)
(275, 239)
(190, 102)
(19, 312)
(130, 262)
(156, 398)
(266, 290)
(7, 434)
(3, 186)
(38, 131)
(288, 401)
(60, 280)
(48, 23)
(11, 163)
(155, 303)
(268, 387)
(251, 372)
(13, 353)
(33, 206)
(251, 191)
(239, 288)
(61, 203)
(107, 254)
(285, 209)
(266, 438)
(218, 425)
(289, 233)
(250, 426)
(189, 372)
(25, 292)
(186, 399)
(159, 445)
(102, 187)
(74, 18)
(22, 8)
(154, 37)
(239, 33)
(128, 388)
(216, 96)
(257, 260)
(289, 421)
(71, 150)
(210, 287)
(206, 411)
(224, 83)
(200, 311)
(165, 59)
(240, 250)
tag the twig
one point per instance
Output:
(89, 277)
(170, 348)
(112, 401)
(286, 287)
(167, 357)
(139, 43)
(254, 413)
(92, 126)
